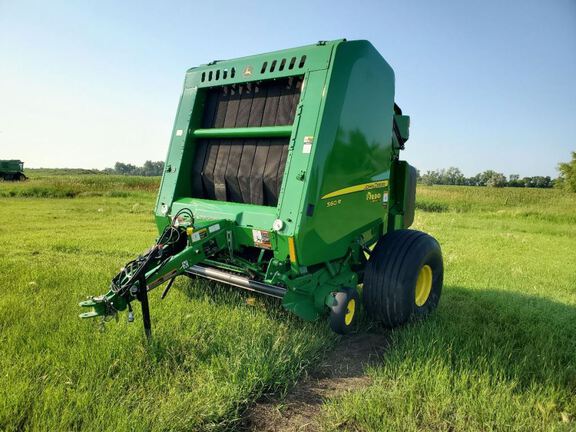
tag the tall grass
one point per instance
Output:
(497, 355)
(72, 186)
(546, 204)
(212, 354)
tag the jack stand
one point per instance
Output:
(143, 297)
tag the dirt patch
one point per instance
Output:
(343, 369)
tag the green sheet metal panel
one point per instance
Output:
(351, 154)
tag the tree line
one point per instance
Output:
(450, 176)
(453, 176)
(490, 178)
(149, 169)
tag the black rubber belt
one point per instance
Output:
(245, 170)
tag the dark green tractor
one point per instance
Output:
(12, 170)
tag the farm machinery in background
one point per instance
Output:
(12, 170)
(283, 177)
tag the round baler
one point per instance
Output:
(283, 177)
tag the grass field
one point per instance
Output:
(499, 354)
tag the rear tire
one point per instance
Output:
(343, 313)
(403, 278)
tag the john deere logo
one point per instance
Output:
(248, 71)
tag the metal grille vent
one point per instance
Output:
(282, 65)
(216, 74)
(274, 65)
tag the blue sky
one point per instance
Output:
(488, 84)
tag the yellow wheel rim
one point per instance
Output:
(423, 285)
(350, 312)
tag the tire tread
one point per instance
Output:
(391, 265)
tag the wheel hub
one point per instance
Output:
(423, 285)
(350, 311)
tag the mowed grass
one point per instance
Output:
(500, 352)
(213, 354)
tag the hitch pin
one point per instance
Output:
(130, 313)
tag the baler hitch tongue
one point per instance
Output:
(102, 306)
(167, 259)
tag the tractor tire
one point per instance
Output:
(343, 314)
(403, 278)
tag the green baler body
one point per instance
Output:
(340, 184)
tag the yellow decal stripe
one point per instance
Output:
(292, 249)
(357, 188)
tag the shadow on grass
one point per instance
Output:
(205, 289)
(487, 359)
(528, 339)
(349, 354)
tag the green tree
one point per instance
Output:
(124, 169)
(542, 182)
(514, 181)
(149, 168)
(567, 179)
(152, 168)
(453, 176)
(431, 178)
(483, 178)
(496, 180)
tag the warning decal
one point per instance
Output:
(261, 239)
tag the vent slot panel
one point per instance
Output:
(277, 65)
(215, 74)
